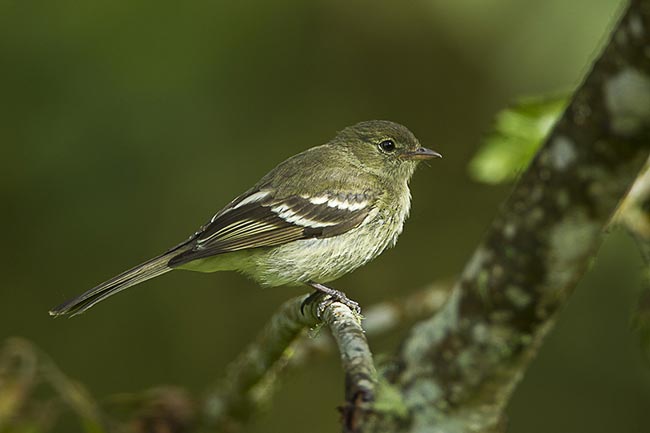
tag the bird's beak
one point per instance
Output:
(421, 153)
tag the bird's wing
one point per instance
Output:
(260, 219)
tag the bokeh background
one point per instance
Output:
(124, 125)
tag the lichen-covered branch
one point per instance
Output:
(253, 374)
(356, 359)
(381, 318)
(457, 370)
(283, 343)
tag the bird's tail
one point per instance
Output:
(143, 272)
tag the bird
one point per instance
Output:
(315, 217)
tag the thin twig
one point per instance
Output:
(356, 359)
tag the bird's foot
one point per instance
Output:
(331, 295)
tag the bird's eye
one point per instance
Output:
(387, 145)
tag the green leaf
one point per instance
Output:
(517, 134)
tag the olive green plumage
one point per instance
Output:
(313, 218)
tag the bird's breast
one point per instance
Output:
(326, 259)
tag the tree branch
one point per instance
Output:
(252, 375)
(356, 359)
(458, 369)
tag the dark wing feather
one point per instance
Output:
(258, 219)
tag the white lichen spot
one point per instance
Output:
(480, 333)
(572, 237)
(627, 98)
(214, 407)
(509, 231)
(428, 421)
(570, 241)
(562, 153)
(636, 27)
(423, 393)
(518, 296)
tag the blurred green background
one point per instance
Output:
(126, 125)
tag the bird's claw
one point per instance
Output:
(326, 296)
(327, 300)
(339, 297)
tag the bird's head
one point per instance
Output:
(385, 148)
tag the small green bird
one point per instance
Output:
(313, 218)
